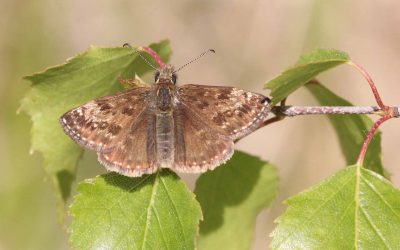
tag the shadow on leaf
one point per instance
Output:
(64, 179)
(228, 185)
(133, 184)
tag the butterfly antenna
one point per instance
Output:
(127, 45)
(197, 58)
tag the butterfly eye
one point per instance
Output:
(174, 77)
(266, 100)
(156, 76)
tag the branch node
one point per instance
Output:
(371, 84)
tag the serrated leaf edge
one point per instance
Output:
(356, 198)
(67, 61)
(298, 67)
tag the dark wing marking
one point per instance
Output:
(102, 123)
(136, 155)
(233, 112)
(198, 147)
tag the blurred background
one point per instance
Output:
(254, 40)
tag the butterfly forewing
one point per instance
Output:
(103, 123)
(198, 147)
(231, 111)
(136, 154)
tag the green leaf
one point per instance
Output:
(231, 197)
(351, 130)
(353, 209)
(56, 90)
(308, 67)
(151, 212)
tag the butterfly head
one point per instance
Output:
(166, 75)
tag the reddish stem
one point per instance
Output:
(368, 140)
(155, 56)
(371, 84)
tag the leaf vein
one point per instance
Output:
(108, 209)
(376, 230)
(148, 214)
(175, 212)
(308, 219)
(338, 223)
(369, 184)
(160, 227)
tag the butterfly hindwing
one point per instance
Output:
(198, 147)
(104, 122)
(136, 154)
(231, 111)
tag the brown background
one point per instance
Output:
(254, 41)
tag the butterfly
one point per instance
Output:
(188, 128)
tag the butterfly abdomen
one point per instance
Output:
(165, 140)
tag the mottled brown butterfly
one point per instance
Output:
(189, 128)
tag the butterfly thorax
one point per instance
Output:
(165, 88)
(164, 97)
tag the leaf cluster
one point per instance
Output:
(355, 208)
